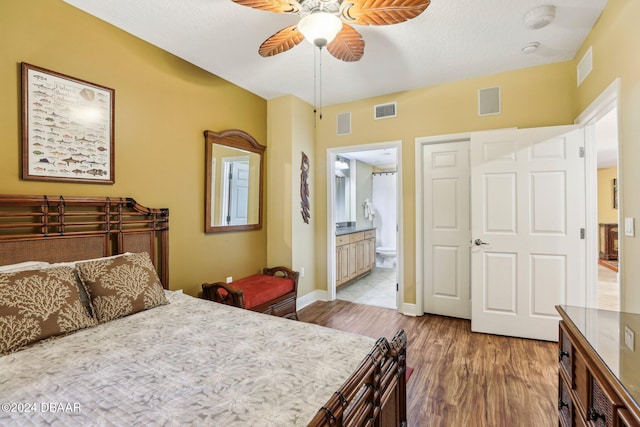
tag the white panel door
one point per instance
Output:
(446, 220)
(527, 209)
(239, 193)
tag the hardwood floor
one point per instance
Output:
(460, 378)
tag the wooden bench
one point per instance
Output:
(273, 292)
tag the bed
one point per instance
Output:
(160, 357)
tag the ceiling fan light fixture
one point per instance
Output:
(539, 17)
(320, 28)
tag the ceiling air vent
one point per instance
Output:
(384, 111)
(343, 124)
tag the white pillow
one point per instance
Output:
(23, 266)
(72, 264)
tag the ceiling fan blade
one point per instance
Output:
(281, 41)
(348, 45)
(381, 12)
(279, 6)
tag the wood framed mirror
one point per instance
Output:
(234, 171)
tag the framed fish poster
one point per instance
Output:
(67, 128)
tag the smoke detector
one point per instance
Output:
(539, 17)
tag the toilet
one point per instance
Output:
(385, 257)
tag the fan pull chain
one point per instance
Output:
(315, 86)
(320, 84)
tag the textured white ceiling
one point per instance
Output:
(451, 40)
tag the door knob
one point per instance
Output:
(479, 242)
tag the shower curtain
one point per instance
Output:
(384, 205)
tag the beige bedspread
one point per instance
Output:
(192, 362)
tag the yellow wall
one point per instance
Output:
(303, 234)
(291, 241)
(279, 182)
(616, 55)
(539, 96)
(162, 106)
(606, 212)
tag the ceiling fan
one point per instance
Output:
(327, 22)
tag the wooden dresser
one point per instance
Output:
(599, 375)
(609, 241)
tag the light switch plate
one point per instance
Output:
(229, 279)
(629, 338)
(629, 227)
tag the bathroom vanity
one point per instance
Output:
(355, 254)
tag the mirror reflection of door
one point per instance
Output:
(235, 197)
(233, 181)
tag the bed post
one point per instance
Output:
(375, 394)
(399, 352)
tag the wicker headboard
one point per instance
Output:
(59, 229)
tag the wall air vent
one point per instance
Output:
(489, 101)
(384, 111)
(343, 124)
(585, 66)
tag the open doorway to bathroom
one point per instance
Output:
(365, 219)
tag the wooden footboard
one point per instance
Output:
(375, 394)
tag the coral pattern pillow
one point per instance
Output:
(39, 304)
(121, 286)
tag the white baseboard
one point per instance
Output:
(410, 310)
(312, 297)
(318, 295)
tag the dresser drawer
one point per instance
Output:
(565, 405)
(602, 407)
(371, 234)
(565, 353)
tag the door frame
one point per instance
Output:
(605, 102)
(420, 236)
(331, 227)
